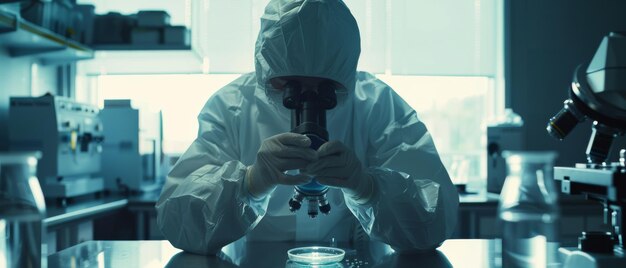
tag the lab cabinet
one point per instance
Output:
(478, 217)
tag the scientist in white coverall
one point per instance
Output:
(381, 163)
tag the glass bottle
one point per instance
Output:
(528, 210)
(22, 210)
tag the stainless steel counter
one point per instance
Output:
(57, 215)
(86, 208)
(453, 253)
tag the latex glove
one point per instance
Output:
(338, 166)
(276, 155)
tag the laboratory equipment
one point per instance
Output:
(132, 151)
(22, 211)
(528, 210)
(308, 117)
(69, 135)
(506, 133)
(598, 93)
(316, 255)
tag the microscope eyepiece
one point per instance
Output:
(326, 95)
(291, 96)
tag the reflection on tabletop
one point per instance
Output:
(272, 254)
(453, 253)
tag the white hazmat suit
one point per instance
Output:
(205, 204)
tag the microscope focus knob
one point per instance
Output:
(596, 242)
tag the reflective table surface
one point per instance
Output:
(453, 253)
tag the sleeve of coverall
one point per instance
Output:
(203, 205)
(414, 203)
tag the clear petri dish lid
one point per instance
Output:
(316, 255)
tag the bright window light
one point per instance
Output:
(454, 110)
(179, 97)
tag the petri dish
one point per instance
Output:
(316, 255)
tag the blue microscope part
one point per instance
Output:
(313, 187)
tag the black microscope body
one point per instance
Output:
(308, 117)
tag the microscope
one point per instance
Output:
(308, 117)
(598, 93)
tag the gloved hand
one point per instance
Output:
(277, 154)
(338, 166)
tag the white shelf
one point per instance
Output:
(132, 59)
(143, 62)
(142, 47)
(22, 38)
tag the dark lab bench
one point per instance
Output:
(478, 217)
